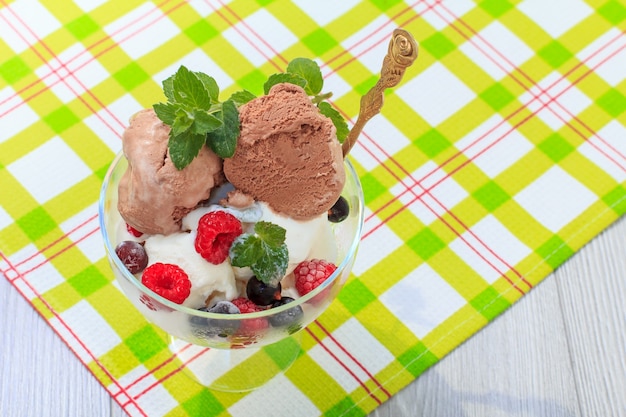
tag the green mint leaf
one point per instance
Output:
(182, 122)
(272, 264)
(283, 78)
(310, 71)
(264, 252)
(223, 140)
(166, 112)
(204, 122)
(242, 97)
(184, 147)
(340, 123)
(245, 250)
(168, 88)
(271, 233)
(210, 85)
(189, 90)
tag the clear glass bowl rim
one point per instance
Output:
(110, 251)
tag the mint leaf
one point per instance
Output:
(182, 122)
(184, 147)
(204, 122)
(209, 84)
(223, 139)
(283, 78)
(242, 97)
(271, 234)
(245, 250)
(166, 112)
(310, 71)
(265, 252)
(168, 88)
(340, 123)
(189, 90)
(272, 264)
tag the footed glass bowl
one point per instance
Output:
(233, 352)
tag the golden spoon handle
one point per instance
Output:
(401, 54)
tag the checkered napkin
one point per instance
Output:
(501, 153)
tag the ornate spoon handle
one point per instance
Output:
(401, 54)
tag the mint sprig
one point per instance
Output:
(310, 71)
(197, 117)
(307, 74)
(265, 252)
(241, 97)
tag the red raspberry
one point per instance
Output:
(310, 274)
(250, 326)
(167, 280)
(246, 305)
(133, 231)
(216, 232)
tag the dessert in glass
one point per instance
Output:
(233, 256)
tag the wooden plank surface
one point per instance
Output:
(559, 352)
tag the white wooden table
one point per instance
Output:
(559, 352)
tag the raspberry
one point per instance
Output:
(216, 232)
(252, 326)
(133, 231)
(167, 280)
(246, 306)
(310, 274)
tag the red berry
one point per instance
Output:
(167, 280)
(310, 274)
(246, 305)
(216, 232)
(133, 231)
(252, 326)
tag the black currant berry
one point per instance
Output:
(261, 293)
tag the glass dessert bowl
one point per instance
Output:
(233, 352)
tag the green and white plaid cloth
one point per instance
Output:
(501, 153)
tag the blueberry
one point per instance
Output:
(339, 211)
(208, 327)
(224, 307)
(287, 317)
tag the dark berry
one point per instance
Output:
(339, 211)
(287, 317)
(133, 255)
(261, 293)
(224, 307)
(209, 327)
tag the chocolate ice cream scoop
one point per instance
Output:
(153, 194)
(287, 154)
